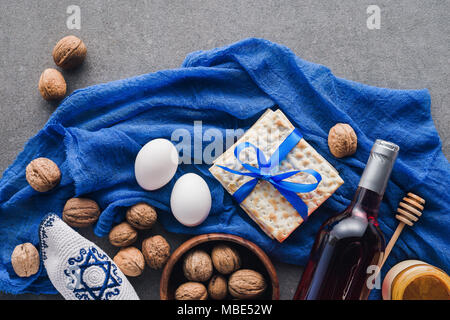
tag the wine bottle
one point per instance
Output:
(349, 243)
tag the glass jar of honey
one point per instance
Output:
(416, 280)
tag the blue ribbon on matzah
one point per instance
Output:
(264, 171)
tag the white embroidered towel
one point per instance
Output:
(77, 267)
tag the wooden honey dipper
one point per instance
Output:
(409, 210)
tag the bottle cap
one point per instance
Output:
(379, 166)
(386, 148)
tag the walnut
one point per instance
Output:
(156, 251)
(141, 216)
(42, 174)
(122, 235)
(52, 85)
(191, 291)
(342, 140)
(217, 287)
(80, 212)
(25, 260)
(197, 266)
(69, 52)
(226, 259)
(131, 261)
(246, 284)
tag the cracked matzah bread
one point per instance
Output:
(265, 205)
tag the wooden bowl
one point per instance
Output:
(251, 255)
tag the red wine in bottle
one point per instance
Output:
(348, 243)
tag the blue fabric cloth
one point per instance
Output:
(96, 132)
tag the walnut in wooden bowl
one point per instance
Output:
(251, 257)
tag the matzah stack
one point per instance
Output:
(265, 205)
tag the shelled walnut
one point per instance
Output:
(42, 174)
(80, 212)
(25, 260)
(342, 140)
(52, 85)
(69, 52)
(197, 266)
(191, 291)
(156, 251)
(141, 216)
(131, 261)
(217, 287)
(246, 284)
(225, 259)
(122, 235)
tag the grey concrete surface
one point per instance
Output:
(127, 38)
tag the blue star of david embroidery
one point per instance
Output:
(91, 275)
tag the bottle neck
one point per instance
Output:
(374, 179)
(377, 171)
(366, 202)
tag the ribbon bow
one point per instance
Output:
(263, 172)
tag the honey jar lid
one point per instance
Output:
(416, 280)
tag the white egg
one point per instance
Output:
(190, 200)
(156, 164)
